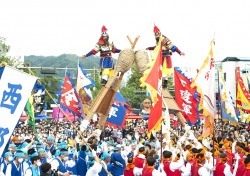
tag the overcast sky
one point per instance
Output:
(54, 27)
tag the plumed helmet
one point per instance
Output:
(104, 31)
(156, 29)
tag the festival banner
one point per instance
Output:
(152, 79)
(70, 99)
(59, 113)
(83, 84)
(205, 84)
(186, 97)
(242, 95)
(226, 101)
(117, 112)
(15, 89)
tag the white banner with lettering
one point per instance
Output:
(15, 89)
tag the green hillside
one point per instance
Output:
(62, 61)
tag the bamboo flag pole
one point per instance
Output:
(80, 133)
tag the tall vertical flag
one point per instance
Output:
(242, 95)
(118, 111)
(227, 105)
(14, 93)
(152, 79)
(186, 97)
(70, 99)
(205, 84)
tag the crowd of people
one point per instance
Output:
(57, 148)
(64, 148)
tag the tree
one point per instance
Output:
(51, 85)
(95, 90)
(132, 92)
(4, 59)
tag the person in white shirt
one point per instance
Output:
(58, 163)
(105, 160)
(95, 166)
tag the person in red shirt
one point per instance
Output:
(129, 170)
(239, 166)
(149, 168)
(222, 168)
(247, 166)
(170, 167)
(227, 148)
(199, 168)
(139, 161)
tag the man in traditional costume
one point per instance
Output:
(167, 49)
(106, 49)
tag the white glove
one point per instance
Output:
(165, 128)
(187, 128)
(94, 153)
(98, 133)
(84, 125)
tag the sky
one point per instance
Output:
(55, 27)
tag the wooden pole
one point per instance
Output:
(74, 127)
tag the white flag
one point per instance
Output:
(15, 89)
(84, 82)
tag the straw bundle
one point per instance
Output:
(125, 60)
(141, 60)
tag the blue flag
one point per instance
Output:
(117, 111)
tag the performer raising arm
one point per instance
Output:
(167, 49)
(105, 48)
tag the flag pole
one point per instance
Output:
(79, 132)
(219, 110)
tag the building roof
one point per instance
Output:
(236, 59)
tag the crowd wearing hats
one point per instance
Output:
(56, 148)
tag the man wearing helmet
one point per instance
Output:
(105, 48)
(167, 49)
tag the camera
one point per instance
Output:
(54, 172)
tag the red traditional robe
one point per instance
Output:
(147, 171)
(241, 169)
(219, 169)
(231, 159)
(129, 172)
(194, 169)
(139, 162)
(247, 172)
(167, 170)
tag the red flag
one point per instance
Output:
(69, 98)
(185, 96)
(152, 78)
